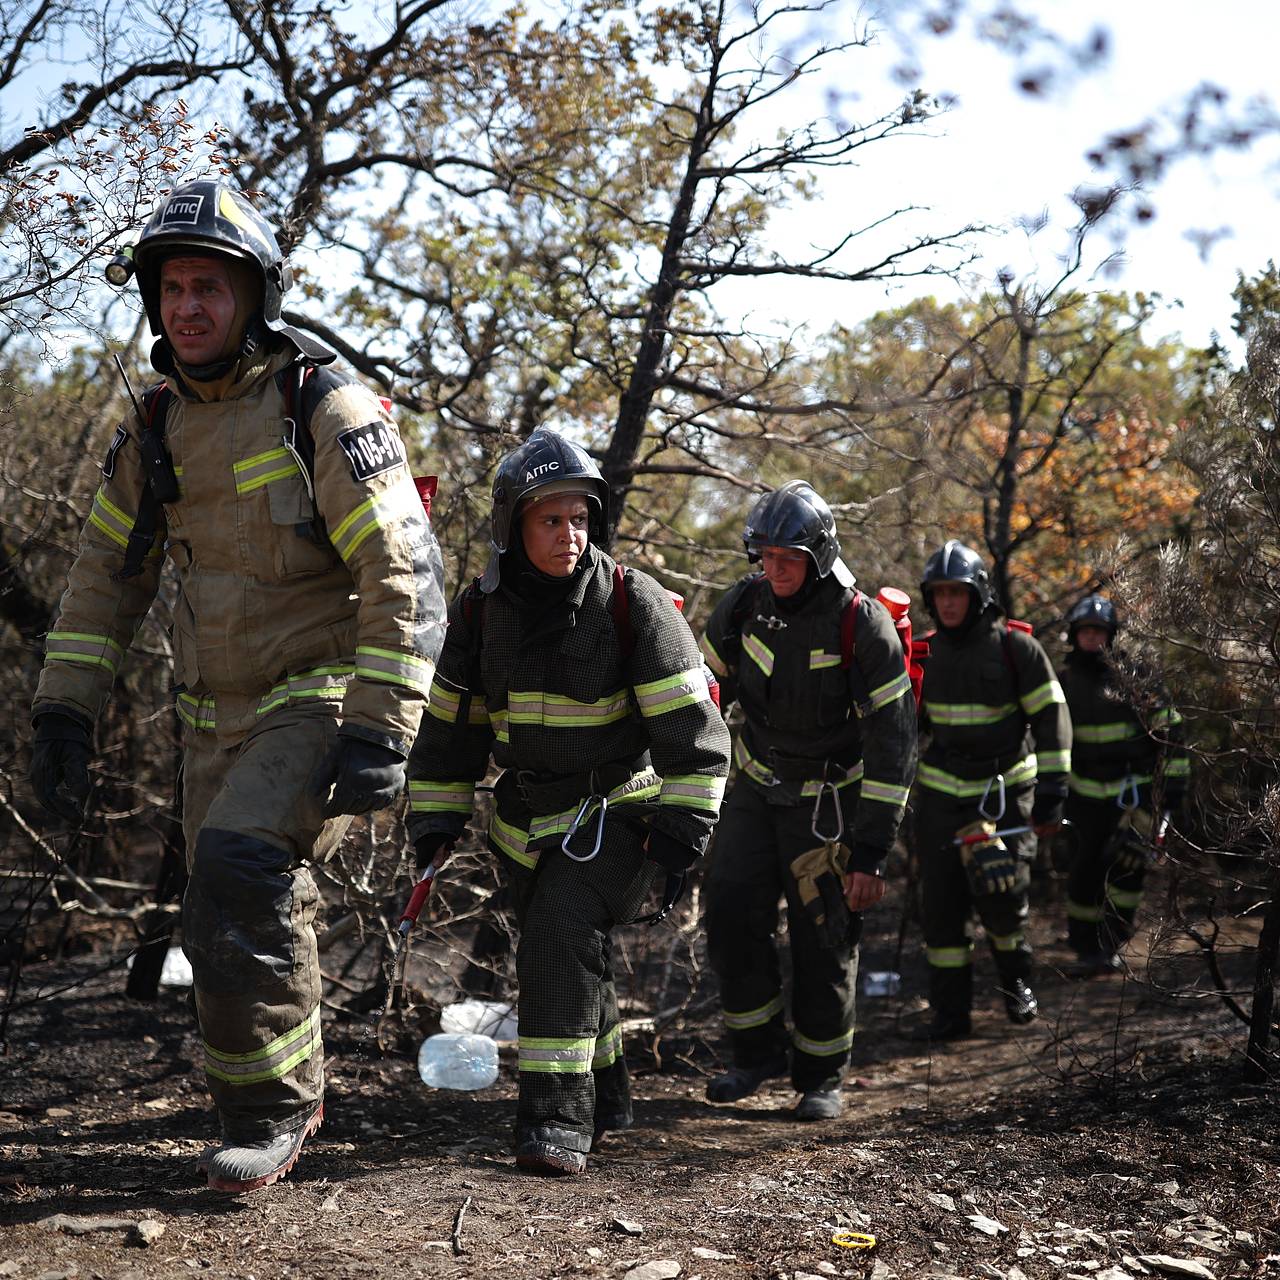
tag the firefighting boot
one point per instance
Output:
(237, 1167)
(548, 1159)
(1014, 969)
(820, 1104)
(742, 1082)
(950, 998)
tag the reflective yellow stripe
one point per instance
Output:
(968, 713)
(1118, 732)
(262, 469)
(197, 713)
(1042, 697)
(1093, 790)
(851, 775)
(1053, 761)
(753, 1017)
(936, 779)
(107, 517)
(445, 700)
(1165, 717)
(950, 957)
(554, 710)
(429, 796)
(389, 666)
(692, 791)
(384, 509)
(685, 689)
(885, 792)
(1006, 941)
(273, 1061)
(83, 647)
(819, 661)
(890, 692)
(1084, 911)
(560, 1057)
(1178, 768)
(500, 728)
(823, 1048)
(714, 660)
(748, 764)
(759, 653)
(513, 842)
(1124, 899)
(608, 1048)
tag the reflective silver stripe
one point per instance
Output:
(1120, 732)
(84, 647)
(105, 516)
(936, 779)
(1040, 698)
(851, 775)
(759, 653)
(949, 957)
(819, 661)
(557, 711)
(685, 689)
(885, 792)
(445, 700)
(640, 786)
(560, 1057)
(608, 1048)
(386, 508)
(273, 1061)
(823, 1048)
(968, 713)
(693, 791)
(714, 660)
(890, 692)
(262, 469)
(1094, 790)
(748, 764)
(392, 667)
(441, 797)
(197, 713)
(1006, 941)
(753, 1017)
(1053, 761)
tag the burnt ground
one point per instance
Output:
(1114, 1130)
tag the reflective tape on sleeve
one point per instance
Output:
(108, 519)
(714, 660)
(1042, 697)
(429, 796)
(685, 689)
(699, 791)
(84, 647)
(391, 666)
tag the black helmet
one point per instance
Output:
(211, 216)
(546, 459)
(1093, 611)
(954, 562)
(794, 515)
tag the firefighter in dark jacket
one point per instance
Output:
(308, 615)
(1123, 756)
(997, 757)
(614, 760)
(824, 759)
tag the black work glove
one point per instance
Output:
(675, 859)
(364, 776)
(60, 752)
(1047, 811)
(429, 845)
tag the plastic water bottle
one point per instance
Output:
(480, 1017)
(458, 1062)
(881, 982)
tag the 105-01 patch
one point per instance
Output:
(372, 449)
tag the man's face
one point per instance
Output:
(951, 602)
(197, 308)
(785, 569)
(1091, 639)
(555, 533)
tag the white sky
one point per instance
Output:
(1001, 155)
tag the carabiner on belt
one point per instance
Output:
(1128, 799)
(823, 788)
(998, 782)
(579, 818)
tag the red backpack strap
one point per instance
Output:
(620, 610)
(1012, 624)
(848, 627)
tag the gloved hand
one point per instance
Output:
(819, 875)
(1130, 847)
(364, 776)
(60, 752)
(675, 859)
(428, 846)
(1046, 813)
(989, 864)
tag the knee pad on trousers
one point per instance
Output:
(237, 915)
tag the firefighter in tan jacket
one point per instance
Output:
(308, 618)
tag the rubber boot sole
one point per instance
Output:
(235, 1186)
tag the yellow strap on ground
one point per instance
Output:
(853, 1240)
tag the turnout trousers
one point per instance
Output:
(1102, 900)
(252, 824)
(573, 1075)
(750, 874)
(948, 901)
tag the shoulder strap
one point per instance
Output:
(473, 615)
(620, 611)
(848, 628)
(1010, 626)
(161, 483)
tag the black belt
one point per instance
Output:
(802, 769)
(550, 792)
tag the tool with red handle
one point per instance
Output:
(413, 909)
